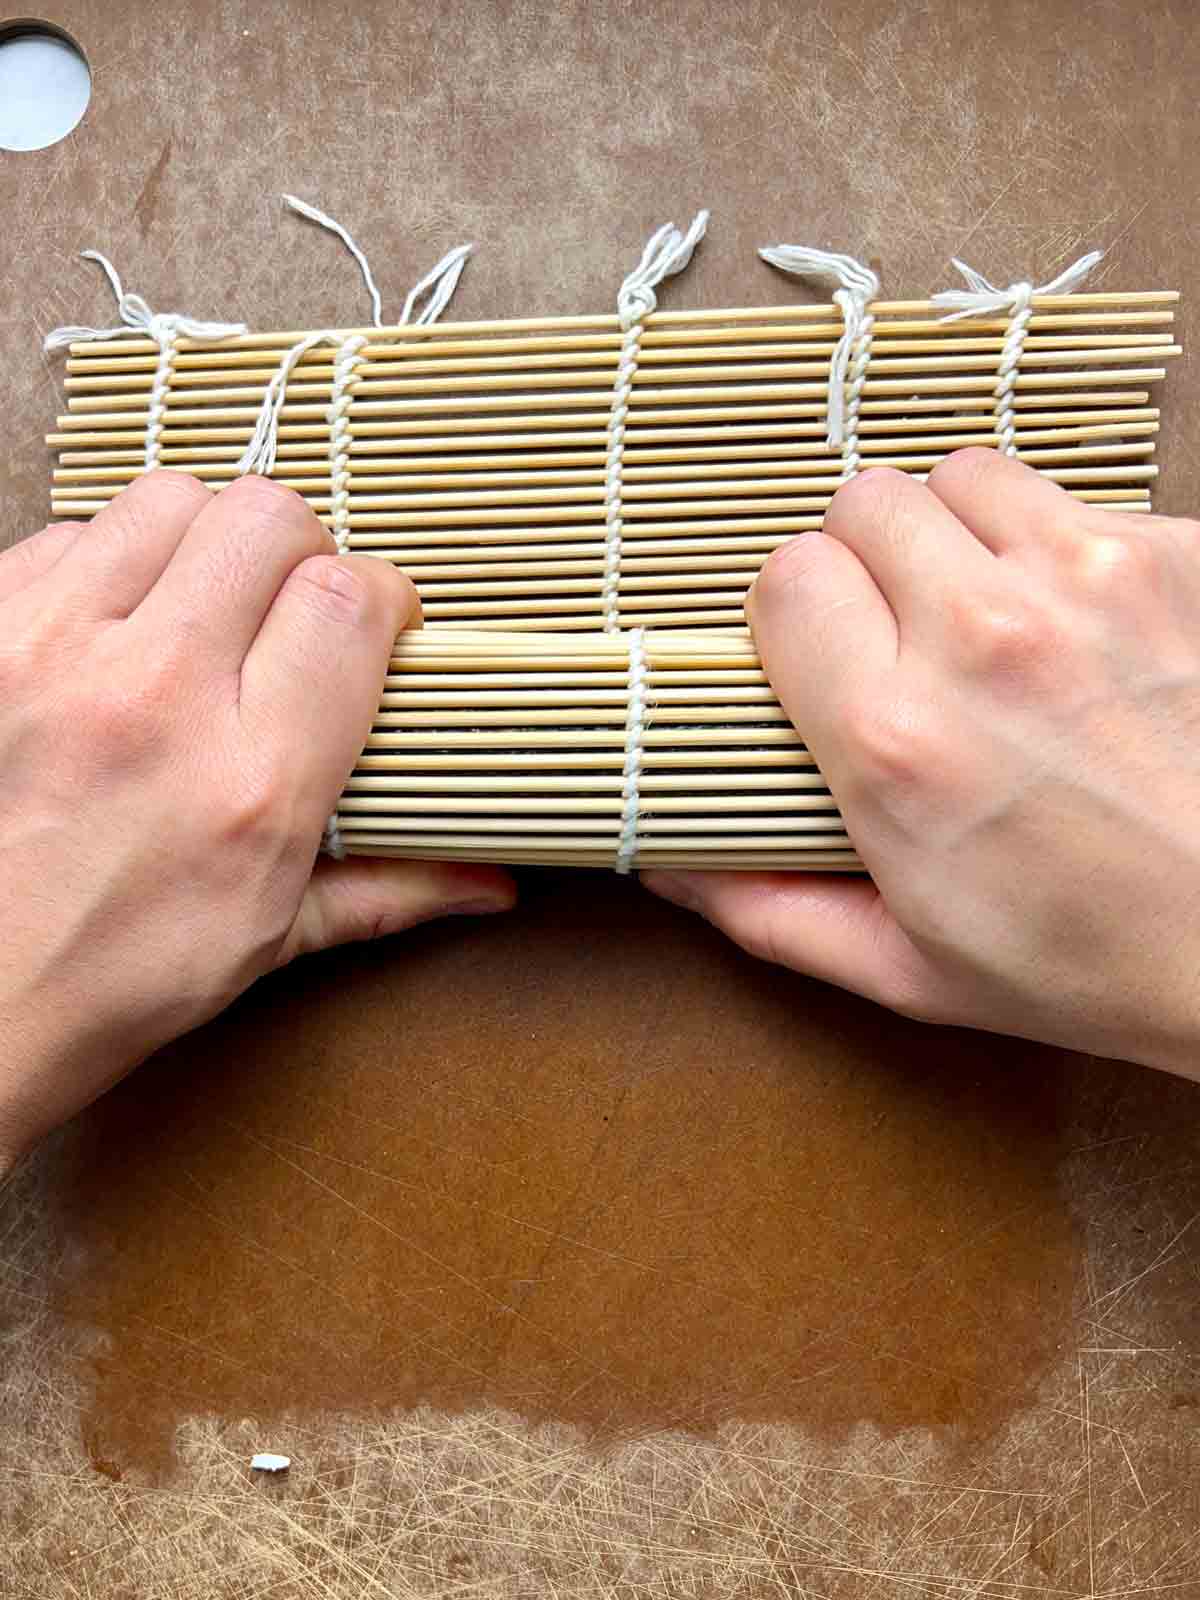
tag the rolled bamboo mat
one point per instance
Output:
(515, 747)
(477, 451)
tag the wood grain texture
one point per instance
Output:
(576, 1251)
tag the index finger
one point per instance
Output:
(827, 638)
(311, 682)
(229, 565)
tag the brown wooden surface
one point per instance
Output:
(575, 1252)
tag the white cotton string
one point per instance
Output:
(635, 728)
(667, 252)
(259, 454)
(165, 328)
(160, 389)
(981, 298)
(137, 317)
(610, 595)
(364, 266)
(439, 285)
(855, 286)
(345, 369)
(331, 840)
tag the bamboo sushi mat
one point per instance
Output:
(478, 455)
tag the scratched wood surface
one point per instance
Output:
(578, 1254)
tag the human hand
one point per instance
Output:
(184, 685)
(1002, 687)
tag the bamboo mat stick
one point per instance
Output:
(736, 363)
(609, 323)
(216, 465)
(504, 747)
(302, 440)
(125, 356)
(1094, 444)
(202, 425)
(553, 390)
(377, 512)
(540, 488)
(658, 346)
(480, 456)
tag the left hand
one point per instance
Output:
(185, 684)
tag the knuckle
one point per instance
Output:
(335, 590)
(254, 821)
(163, 493)
(965, 472)
(1115, 563)
(164, 680)
(167, 484)
(271, 510)
(66, 531)
(1010, 638)
(260, 806)
(787, 570)
(32, 651)
(873, 499)
(24, 557)
(891, 746)
(65, 534)
(128, 717)
(265, 500)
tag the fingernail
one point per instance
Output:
(673, 886)
(484, 906)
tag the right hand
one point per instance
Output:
(1002, 687)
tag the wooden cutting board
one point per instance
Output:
(577, 1250)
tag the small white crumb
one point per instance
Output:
(270, 1463)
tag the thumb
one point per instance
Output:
(834, 928)
(367, 898)
(32, 558)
